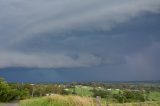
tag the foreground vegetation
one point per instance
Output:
(58, 100)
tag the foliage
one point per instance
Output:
(7, 93)
(101, 93)
(130, 96)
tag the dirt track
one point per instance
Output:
(10, 104)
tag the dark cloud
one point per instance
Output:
(106, 37)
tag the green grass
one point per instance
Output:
(59, 100)
(82, 90)
(155, 96)
(137, 104)
(86, 90)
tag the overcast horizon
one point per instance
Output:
(79, 40)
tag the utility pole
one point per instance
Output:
(32, 89)
(98, 100)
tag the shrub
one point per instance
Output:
(101, 93)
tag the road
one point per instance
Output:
(9, 104)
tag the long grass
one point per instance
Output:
(59, 100)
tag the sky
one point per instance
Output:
(79, 40)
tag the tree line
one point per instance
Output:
(128, 92)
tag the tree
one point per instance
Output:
(11, 92)
(6, 93)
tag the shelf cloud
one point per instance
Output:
(21, 19)
(93, 35)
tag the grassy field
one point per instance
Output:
(154, 96)
(82, 90)
(86, 90)
(70, 100)
(59, 100)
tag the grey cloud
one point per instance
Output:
(31, 18)
(56, 60)
(35, 60)
(23, 20)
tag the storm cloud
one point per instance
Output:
(90, 34)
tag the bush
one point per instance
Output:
(101, 93)
(8, 93)
(129, 96)
(120, 98)
(136, 96)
